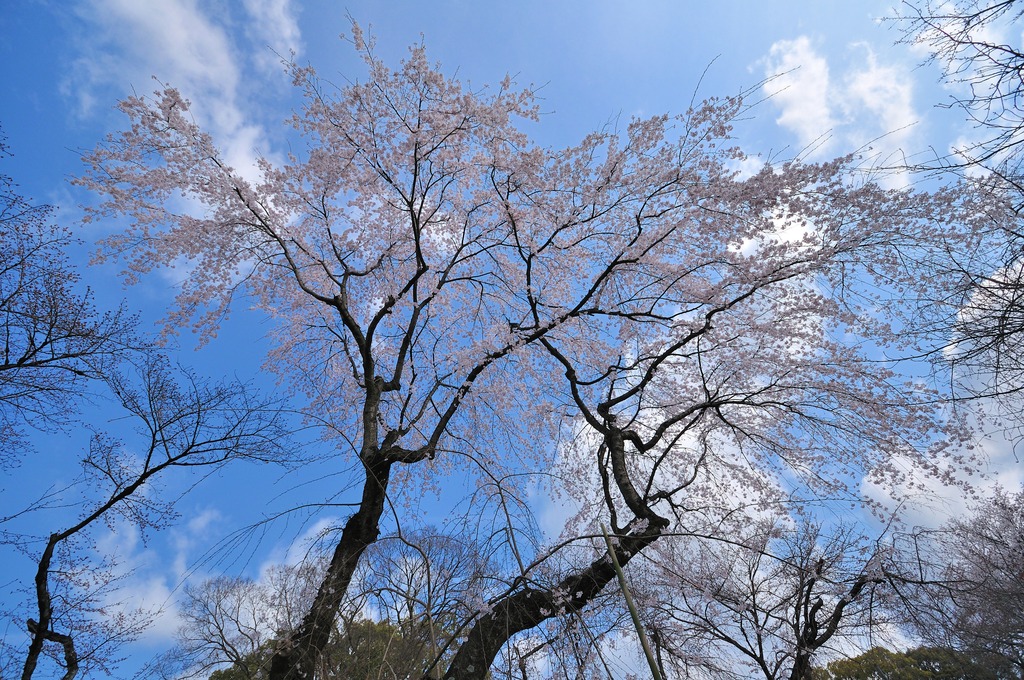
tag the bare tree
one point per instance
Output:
(976, 43)
(53, 339)
(767, 603)
(57, 352)
(426, 584)
(418, 588)
(182, 423)
(235, 622)
(967, 590)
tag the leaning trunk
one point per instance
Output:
(297, 657)
(530, 607)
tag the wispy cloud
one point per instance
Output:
(878, 101)
(272, 23)
(149, 576)
(867, 107)
(213, 59)
(126, 43)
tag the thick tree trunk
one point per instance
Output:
(801, 666)
(38, 629)
(530, 607)
(297, 656)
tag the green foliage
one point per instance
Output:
(361, 650)
(371, 649)
(236, 672)
(923, 663)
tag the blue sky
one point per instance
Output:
(64, 65)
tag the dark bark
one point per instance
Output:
(65, 641)
(809, 639)
(528, 608)
(298, 655)
(40, 630)
(200, 426)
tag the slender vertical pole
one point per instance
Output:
(655, 671)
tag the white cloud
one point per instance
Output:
(800, 88)
(924, 500)
(868, 108)
(141, 584)
(746, 167)
(272, 23)
(879, 104)
(300, 548)
(184, 45)
(171, 40)
(153, 595)
(146, 580)
(196, 529)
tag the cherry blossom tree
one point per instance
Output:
(629, 315)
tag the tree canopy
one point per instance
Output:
(707, 358)
(921, 663)
(686, 346)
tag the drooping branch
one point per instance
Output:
(530, 606)
(300, 653)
